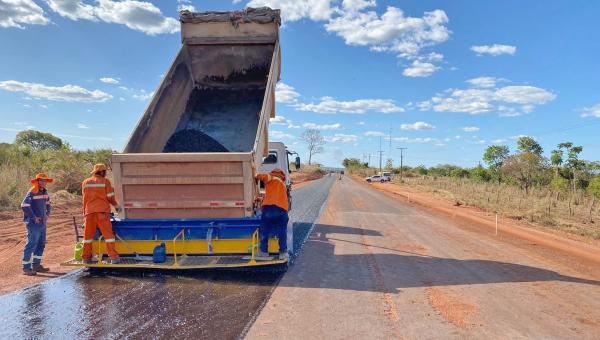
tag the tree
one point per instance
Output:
(479, 173)
(314, 141)
(494, 156)
(388, 164)
(529, 145)
(353, 163)
(594, 190)
(38, 140)
(572, 163)
(556, 159)
(525, 168)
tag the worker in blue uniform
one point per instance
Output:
(36, 209)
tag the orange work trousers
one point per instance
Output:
(102, 221)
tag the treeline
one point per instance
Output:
(35, 151)
(527, 167)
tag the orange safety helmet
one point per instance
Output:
(278, 173)
(98, 167)
(43, 176)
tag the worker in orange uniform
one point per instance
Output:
(274, 216)
(98, 196)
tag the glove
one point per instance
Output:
(37, 220)
(118, 208)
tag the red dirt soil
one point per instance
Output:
(300, 179)
(583, 247)
(60, 241)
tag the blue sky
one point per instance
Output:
(448, 77)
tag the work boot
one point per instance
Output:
(284, 256)
(29, 272)
(38, 268)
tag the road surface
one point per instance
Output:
(378, 268)
(217, 304)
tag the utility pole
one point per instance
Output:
(390, 146)
(380, 154)
(401, 161)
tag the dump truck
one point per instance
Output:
(186, 177)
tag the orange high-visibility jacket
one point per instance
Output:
(98, 195)
(275, 190)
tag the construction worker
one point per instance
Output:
(274, 212)
(36, 209)
(98, 196)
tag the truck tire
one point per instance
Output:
(369, 180)
(383, 180)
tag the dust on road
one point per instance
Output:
(151, 304)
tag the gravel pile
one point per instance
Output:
(193, 141)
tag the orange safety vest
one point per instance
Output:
(98, 195)
(275, 191)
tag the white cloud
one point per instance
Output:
(494, 50)
(393, 31)
(374, 134)
(361, 123)
(274, 135)
(507, 100)
(340, 137)
(109, 80)
(335, 126)
(285, 93)
(419, 140)
(499, 141)
(106, 139)
(470, 129)
(67, 93)
(143, 96)
(434, 57)
(294, 10)
(137, 15)
(420, 69)
(82, 126)
(16, 13)
(593, 111)
(43, 106)
(330, 105)
(281, 120)
(485, 82)
(417, 126)
(278, 120)
(185, 5)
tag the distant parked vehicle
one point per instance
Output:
(387, 175)
(377, 178)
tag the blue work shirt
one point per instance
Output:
(36, 205)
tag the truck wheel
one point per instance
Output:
(383, 180)
(369, 180)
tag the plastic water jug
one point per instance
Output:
(159, 255)
(78, 255)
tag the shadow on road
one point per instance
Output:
(324, 268)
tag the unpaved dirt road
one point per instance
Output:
(378, 268)
(151, 305)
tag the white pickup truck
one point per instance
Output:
(384, 177)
